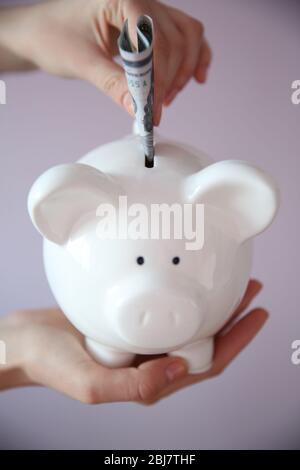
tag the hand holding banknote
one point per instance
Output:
(78, 39)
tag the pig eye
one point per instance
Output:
(140, 260)
(176, 260)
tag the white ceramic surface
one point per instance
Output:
(123, 308)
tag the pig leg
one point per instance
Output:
(198, 355)
(108, 356)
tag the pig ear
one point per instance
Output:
(61, 195)
(243, 191)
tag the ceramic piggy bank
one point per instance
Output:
(150, 293)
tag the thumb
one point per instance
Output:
(110, 78)
(143, 384)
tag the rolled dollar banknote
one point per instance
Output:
(138, 67)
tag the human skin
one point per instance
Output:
(78, 39)
(44, 349)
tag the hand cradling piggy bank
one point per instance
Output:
(131, 296)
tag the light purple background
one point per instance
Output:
(245, 112)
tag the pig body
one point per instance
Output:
(129, 296)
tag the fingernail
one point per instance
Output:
(265, 314)
(258, 286)
(157, 116)
(170, 97)
(175, 370)
(202, 74)
(127, 103)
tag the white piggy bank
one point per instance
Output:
(158, 294)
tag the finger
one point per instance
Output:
(192, 31)
(109, 77)
(160, 63)
(229, 346)
(176, 54)
(253, 289)
(175, 47)
(143, 384)
(226, 349)
(132, 10)
(204, 62)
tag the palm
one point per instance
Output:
(60, 361)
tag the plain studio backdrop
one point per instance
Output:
(245, 112)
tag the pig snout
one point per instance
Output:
(155, 313)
